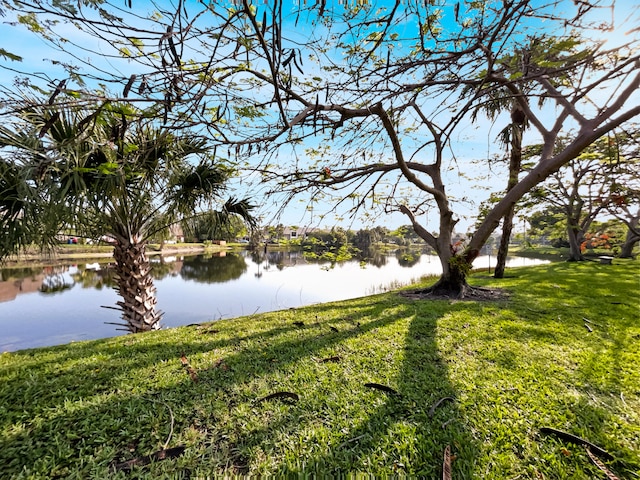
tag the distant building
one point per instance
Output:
(294, 233)
(176, 233)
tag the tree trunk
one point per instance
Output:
(455, 264)
(454, 278)
(453, 281)
(515, 162)
(575, 242)
(135, 286)
(503, 250)
(626, 251)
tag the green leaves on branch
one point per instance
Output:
(541, 54)
(10, 56)
(31, 22)
(248, 111)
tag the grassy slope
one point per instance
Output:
(513, 367)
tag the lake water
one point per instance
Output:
(62, 303)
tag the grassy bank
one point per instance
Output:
(507, 368)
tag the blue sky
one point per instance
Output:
(475, 141)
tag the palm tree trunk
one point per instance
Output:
(135, 286)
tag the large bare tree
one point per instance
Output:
(366, 104)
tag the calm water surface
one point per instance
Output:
(60, 304)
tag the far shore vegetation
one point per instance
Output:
(381, 385)
(332, 245)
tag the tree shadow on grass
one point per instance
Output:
(358, 428)
(80, 408)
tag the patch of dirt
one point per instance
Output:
(472, 294)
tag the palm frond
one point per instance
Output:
(220, 223)
(196, 183)
(27, 216)
(241, 208)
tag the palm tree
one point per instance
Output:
(511, 135)
(500, 100)
(27, 214)
(15, 214)
(121, 176)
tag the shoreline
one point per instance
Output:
(64, 253)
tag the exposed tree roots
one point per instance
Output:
(465, 292)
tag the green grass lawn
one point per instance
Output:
(511, 367)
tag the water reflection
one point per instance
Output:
(163, 267)
(57, 280)
(19, 281)
(277, 258)
(373, 256)
(202, 269)
(57, 304)
(407, 257)
(95, 275)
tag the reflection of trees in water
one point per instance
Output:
(207, 269)
(408, 257)
(104, 276)
(163, 267)
(372, 256)
(55, 280)
(278, 258)
(257, 256)
(285, 258)
(19, 273)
